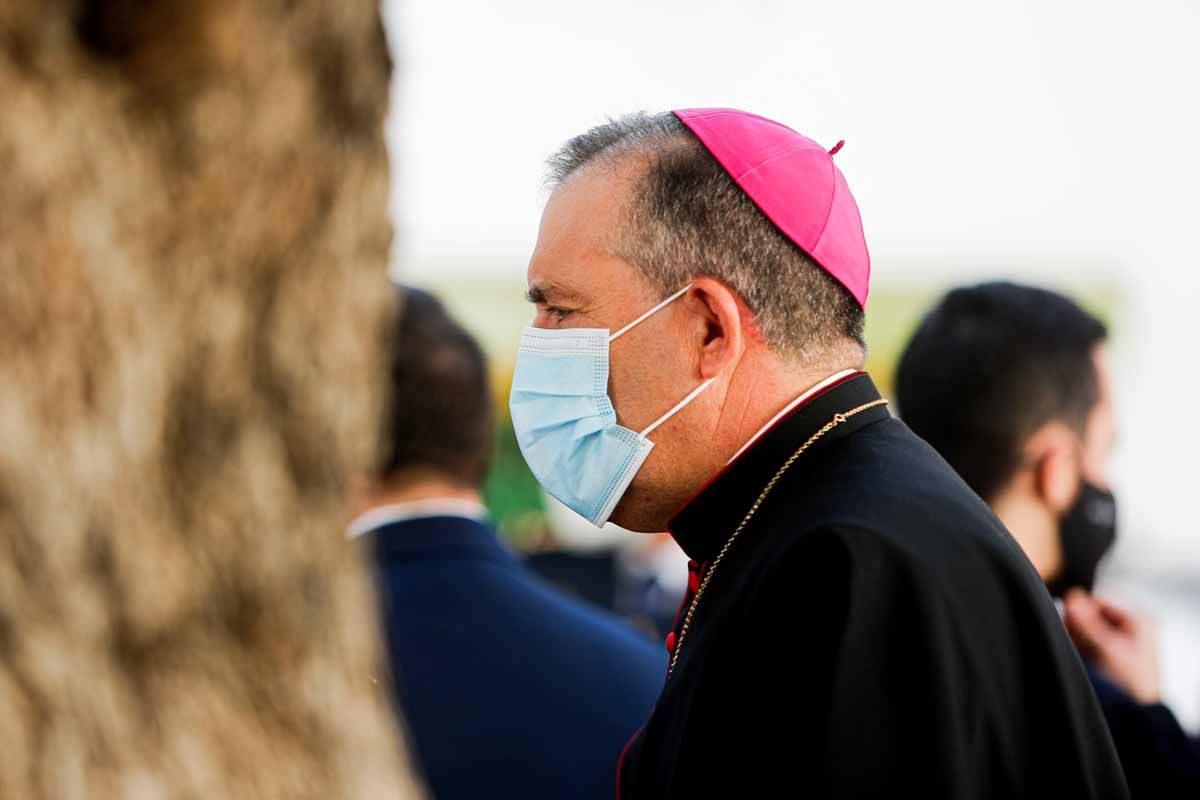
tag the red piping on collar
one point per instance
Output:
(621, 760)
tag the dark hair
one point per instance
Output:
(988, 366)
(439, 415)
(687, 218)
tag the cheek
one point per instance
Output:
(1098, 446)
(646, 378)
(1095, 467)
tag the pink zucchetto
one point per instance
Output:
(794, 181)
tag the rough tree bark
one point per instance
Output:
(193, 245)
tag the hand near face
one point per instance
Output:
(1119, 642)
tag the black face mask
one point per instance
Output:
(1087, 532)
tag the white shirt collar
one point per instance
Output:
(375, 518)
(834, 378)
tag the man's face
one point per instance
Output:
(1091, 462)
(576, 281)
(1054, 475)
(1095, 447)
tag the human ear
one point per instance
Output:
(1056, 467)
(717, 320)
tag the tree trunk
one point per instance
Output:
(193, 295)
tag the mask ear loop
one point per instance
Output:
(649, 313)
(692, 395)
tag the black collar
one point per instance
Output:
(710, 517)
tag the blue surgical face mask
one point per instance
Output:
(565, 423)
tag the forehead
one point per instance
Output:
(575, 258)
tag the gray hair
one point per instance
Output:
(686, 218)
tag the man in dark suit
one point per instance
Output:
(510, 689)
(1011, 384)
(859, 624)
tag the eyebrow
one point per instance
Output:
(549, 293)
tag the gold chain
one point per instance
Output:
(838, 419)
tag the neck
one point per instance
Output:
(1033, 528)
(760, 387)
(759, 391)
(411, 491)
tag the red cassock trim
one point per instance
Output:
(621, 760)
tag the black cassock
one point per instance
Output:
(874, 631)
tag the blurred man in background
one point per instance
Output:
(510, 689)
(857, 622)
(1012, 385)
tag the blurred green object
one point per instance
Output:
(511, 493)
